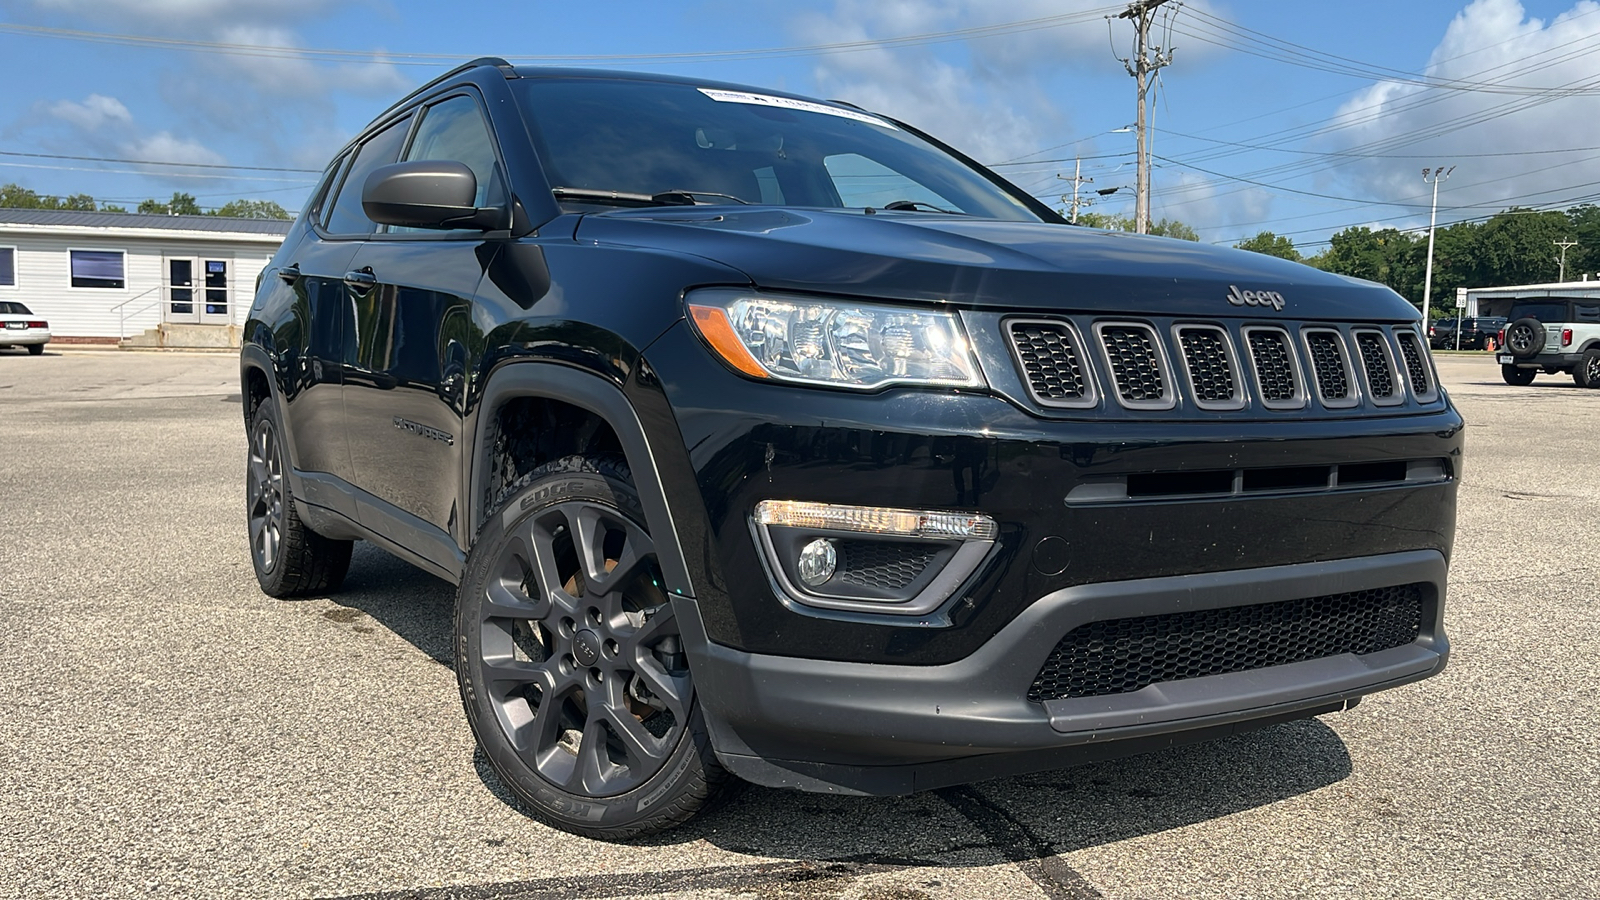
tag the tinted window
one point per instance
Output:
(8, 266)
(1549, 313)
(454, 129)
(382, 149)
(14, 309)
(646, 137)
(97, 269)
(1583, 312)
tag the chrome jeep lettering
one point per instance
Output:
(1255, 298)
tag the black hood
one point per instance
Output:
(995, 264)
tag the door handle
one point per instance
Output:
(361, 278)
(290, 274)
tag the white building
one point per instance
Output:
(99, 277)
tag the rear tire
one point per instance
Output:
(570, 663)
(35, 349)
(290, 559)
(1587, 372)
(1516, 376)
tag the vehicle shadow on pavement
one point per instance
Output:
(1020, 818)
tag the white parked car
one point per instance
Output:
(19, 327)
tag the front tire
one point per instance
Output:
(290, 559)
(1516, 376)
(571, 668)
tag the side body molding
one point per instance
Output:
(603, 398)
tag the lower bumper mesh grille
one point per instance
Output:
(1122, 655)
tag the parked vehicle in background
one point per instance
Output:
(19, 327)
(1550, 335)
(1476, 332)
(769, 438)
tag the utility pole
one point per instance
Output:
(1439, 174)
(1564, 245)
(1077, 181)
(1146, 61)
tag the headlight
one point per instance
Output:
(834, 342)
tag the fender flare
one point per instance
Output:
(602, 397)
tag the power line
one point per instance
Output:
(154, 162)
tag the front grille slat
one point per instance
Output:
(1330, 367)
(1416, 365)
(1381, 381)
(1272, 356)
(1119, 656)
(1135, 362)
(1053, 363)
(1213, 379)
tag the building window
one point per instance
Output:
(97, 269)
(8, 267)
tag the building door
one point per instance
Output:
(215, 309)
(182, 304)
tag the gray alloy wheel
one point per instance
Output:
(1525, 338)
(1587, 372)
(264, 494)
(290, 559)
(571, 667)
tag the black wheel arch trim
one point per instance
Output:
(255, 357)
(598, 395)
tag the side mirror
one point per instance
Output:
(432, 193)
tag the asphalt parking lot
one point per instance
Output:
(169, 731)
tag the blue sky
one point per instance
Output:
(1253, 130)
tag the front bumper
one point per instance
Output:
(866, 728)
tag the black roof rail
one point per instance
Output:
(505, 68)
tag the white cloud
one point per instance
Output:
(93, 114)
(190, 11)
(163, 146)
(1489, 41)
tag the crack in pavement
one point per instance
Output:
(1032, 854)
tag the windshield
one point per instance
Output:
(649, 139)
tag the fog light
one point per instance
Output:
(818, 560)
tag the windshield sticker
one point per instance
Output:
(787, 103)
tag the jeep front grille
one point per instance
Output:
(1134, 357)
(1147, 366)
(1052, 359)
(1123, 655)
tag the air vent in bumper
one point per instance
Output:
(1123, 655)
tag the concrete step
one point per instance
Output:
(170, 335)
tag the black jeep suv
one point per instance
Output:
(772, 438)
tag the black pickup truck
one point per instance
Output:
(768, 438)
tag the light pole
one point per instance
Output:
(1439, 174)
(1565, 245)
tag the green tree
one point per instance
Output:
(1518, 246)
(1389, 257)
(181, 204)
(15, 196)
(252, 209)
(1272, 245)
(1166, 227)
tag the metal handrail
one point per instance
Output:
(123, 316)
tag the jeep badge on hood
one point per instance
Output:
(1255, 298)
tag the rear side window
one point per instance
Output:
(1548, 313)
(383, 148)
(1583, 312)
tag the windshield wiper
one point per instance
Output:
(919, 205)
(628, 198)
